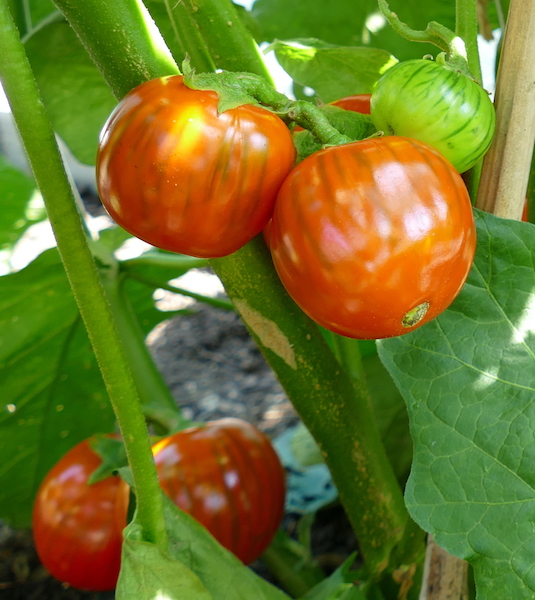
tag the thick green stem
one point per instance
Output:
(189, 37)
(337, 412)
(347, 352)
(229, 42)
(106, 29)
(40, 144)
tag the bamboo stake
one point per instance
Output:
(445, 576)
(504, 180)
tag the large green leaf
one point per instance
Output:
(332, 71)
(468, 378)
(51, 391)
(350, 23)
(196, 567)
(52, 395)
(339, 22)
(76, 96)
(17, 214)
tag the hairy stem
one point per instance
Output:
(225, 36)
(45, 160)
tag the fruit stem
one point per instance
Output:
(257, 90)
(467, 28)
(435, 34)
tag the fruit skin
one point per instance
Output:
(226, 475)
(178, 175)
(365, 232)
(435, 104)
(77, 528)
(357, 103)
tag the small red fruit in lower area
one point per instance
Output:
(227, 475)
(78, 528)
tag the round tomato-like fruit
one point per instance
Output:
(77, 527)
(435, 104)
(227, 476)
(357, 103)
(374, 238)
(175, 173)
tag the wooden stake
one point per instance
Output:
(445, 576)
(504, 179)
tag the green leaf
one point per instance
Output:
(338, 586)
(18, 213)
(332, 71)
(350, 23)
(77, 99)
(390, 414)
(52, 392)
(196, 567)
(467, 378)
(40, 9)
(342, 23)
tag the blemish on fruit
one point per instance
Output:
(415, 315)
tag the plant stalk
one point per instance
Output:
(227, 39)
(506, 167)
(45, 160)
(467, 28)
(153, 392)
(189, 37)
(106, 29)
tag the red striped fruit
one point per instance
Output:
(374, 238)
(78, 528)
(227, 476)
(175, 173)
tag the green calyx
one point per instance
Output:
(238, 88)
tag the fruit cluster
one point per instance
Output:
(371, 238)
(225, 474)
